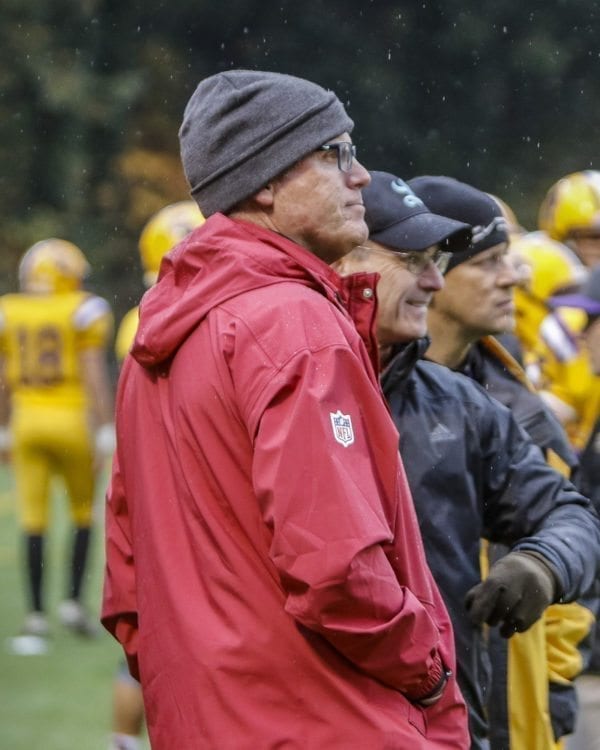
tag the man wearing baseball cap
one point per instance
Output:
(265, 572)
(535, 704)
(402, 233)
(476, 303)
(469, 465)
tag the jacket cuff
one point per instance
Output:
(431, 686)
(551, 569)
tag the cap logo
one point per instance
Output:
(480, 233)
(409, 199)
(342, 428)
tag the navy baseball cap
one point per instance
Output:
(463, 202)
(400, 220)
(587, 299)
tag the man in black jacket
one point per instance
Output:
(473, 471)
(475, 305)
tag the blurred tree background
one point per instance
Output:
(501, 94)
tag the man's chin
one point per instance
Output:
(410, 333)
(354, 239)
(505, 325)
(360, 233)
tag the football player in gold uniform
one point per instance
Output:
(552, 356)
(55, 409)
(570, 213)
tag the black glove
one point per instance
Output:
(517, 590)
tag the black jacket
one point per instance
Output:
(491, 365)
(494, 368)
(476, 474)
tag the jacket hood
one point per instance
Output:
(218, 261)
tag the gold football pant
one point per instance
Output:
(50, 442)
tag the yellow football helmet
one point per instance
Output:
(554, 266)
(554, 269)
(163, 231)
(514, 228)
(52, 266)
(571, 204)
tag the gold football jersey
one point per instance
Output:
(558, 364)
(41, 337)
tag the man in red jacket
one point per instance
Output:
(265, 572)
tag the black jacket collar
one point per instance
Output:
(402, 362)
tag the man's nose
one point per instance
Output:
(431, 278)
(358, 176)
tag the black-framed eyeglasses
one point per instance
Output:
(346, 153)
(417, 262)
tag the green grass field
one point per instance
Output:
(60, 700)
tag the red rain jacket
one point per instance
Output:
(265, 572)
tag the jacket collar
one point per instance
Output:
(226, 257)
(404, 358)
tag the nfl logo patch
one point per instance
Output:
(342, 428)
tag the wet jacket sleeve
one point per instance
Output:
(531, 507)
(339, 510)
(119, 606)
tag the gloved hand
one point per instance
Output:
(517, 590)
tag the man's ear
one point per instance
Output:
(265, 196)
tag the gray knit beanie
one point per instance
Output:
(242, 128)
